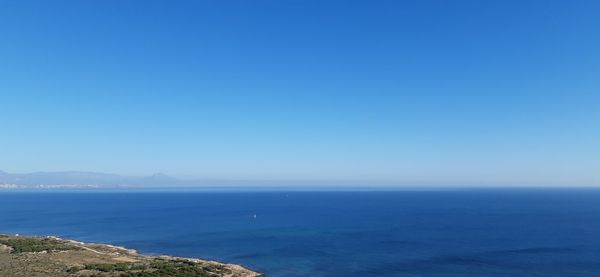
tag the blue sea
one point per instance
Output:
(459, 232)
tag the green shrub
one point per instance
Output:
(23, 245)
(159, 268)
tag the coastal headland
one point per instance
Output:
(22, 256)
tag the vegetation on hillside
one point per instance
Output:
(39, 256)
(157, 268)
(24, 245)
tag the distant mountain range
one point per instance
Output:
(76, 179)
(82, 179)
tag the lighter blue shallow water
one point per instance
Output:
(400, 233)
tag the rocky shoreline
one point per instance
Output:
(54, 256)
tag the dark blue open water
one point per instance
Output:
(553, 232)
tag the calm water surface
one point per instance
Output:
(553, 232)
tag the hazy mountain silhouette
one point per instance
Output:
(80, 178)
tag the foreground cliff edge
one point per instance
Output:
(52, 256)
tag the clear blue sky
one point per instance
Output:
(401, 91)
